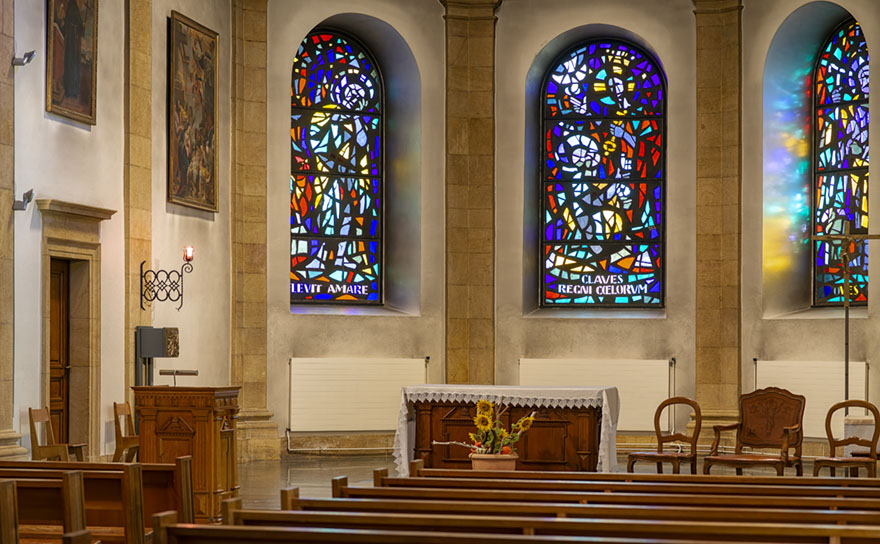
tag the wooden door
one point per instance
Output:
(59, 364)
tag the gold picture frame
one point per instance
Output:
(192, 113)
(72, 59)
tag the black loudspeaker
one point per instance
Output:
(153, 342)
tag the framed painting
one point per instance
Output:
(72, 59)
(192, 113)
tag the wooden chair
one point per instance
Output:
(127, 444)
(676, 458)
(50, 450)
(851, 463)
(768, 418)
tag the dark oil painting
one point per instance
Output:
(71, 58)
(192, 113)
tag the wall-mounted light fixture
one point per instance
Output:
(21, 205)
(165, 285)
(25, 59)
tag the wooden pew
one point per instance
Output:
(113, 514)
(740, 531)
(8, 512)
(48, 508)
(417, 470)
(165, 486)
(341, 489)
(732, 488)
(167, 531)
(290, 500)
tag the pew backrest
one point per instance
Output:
(8, 512)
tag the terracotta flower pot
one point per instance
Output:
(493, 461)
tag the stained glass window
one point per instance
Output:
(840, 183)
(603, 167)
(336, 172)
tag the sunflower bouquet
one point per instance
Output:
(491, 436)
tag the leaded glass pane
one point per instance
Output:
(604, 167)
(840, 184)
(842, 71)
(336, 189)
(602, 211)
(603, 274)
(606, 78)
(604, 149)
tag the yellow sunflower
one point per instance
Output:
(483, 422)
(526, 423)
(503, 433)
(484, 407)
(473, 437)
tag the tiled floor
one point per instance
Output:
(262, 481)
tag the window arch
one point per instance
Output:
(336, 179)
(602, 178)
(840, 163)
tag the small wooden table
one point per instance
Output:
(196, 421)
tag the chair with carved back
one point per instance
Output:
(768, 418)
(674, 457)
(127, 445)
(852, 464)
(50, 450)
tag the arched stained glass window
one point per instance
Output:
(336, 172)
(840, 181)
(603, 169)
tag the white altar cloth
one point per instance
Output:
(606, 398)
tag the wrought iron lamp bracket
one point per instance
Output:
(163, 285)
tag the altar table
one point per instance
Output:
(575, 427)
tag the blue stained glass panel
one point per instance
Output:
(841, 160)
(335, 270)
(606, 78)
(602, 211)
(602, 274)
(332, 206)
(842, 73)
(336, 181)
(603, 166)
(842, 133)
(604, 149)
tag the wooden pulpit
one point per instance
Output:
(196, 421)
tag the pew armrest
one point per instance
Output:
(718, 430)
(78, 451)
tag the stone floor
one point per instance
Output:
(262, 481)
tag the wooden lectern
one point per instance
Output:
(196, 421)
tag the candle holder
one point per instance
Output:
(162, 285)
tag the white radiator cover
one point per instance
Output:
(642, 383)
(349, 394)
(821, 382)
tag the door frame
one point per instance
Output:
(72, 231)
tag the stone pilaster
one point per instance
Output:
(470, 190)
(137, 168)
(719, 210)
(257, 434)
(9, 439)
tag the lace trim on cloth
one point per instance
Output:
(404, 438)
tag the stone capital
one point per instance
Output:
(471, 9)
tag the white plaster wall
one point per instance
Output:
(204, 320)
(415, 330)
(70, 161)
(814, 334)
(524, 29)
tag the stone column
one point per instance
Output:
(137, 169)
(470, 190)
(719, 210)
(257, 434)
(9, 445)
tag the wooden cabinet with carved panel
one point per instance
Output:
(560, 439)
(196, 421)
